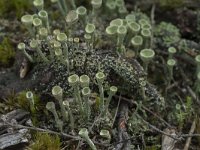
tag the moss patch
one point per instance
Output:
(18, 6)
(44, 141)
(7, 52)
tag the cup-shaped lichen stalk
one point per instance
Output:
(57, 92)
(51, 48)
(39, 4)
(106, 134)
(30, 97)
(100, 77)
(71, 117)
(64, 5)
(111, 6)
(133, 29)
(60, 125)
(96, 4)
(37, 24)
(146, 33)
(90, 29)
(27, 20)
(121, 32)
(116, 22)
(88, 39)
(137, 42)
(130, 18)
(143, 22)
(71, 42)
(21, 47)
(73, 4)
(112, 92)
(45, 19)
(146, 26)
(74, 82)
(170, 64)
(82, 14)
(35, 45)
(86, 92)
(122, 11)
(197, 59)
(119, 3)
(84, 81)
(76, 43)
(143, 83)
(62, 10)
(56, 32)
(43, 33)
(62, 38)
(146, 56)
(171, 51)
(50, 106)
(59, 54)
(84, 134)
(57, 45)
(71, 18)
(111, 30)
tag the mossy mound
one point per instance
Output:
(7, 52)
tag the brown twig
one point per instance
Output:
(152, 24)
(79, 144)
(145, 108)
(122, 127)
(189, 89)
(192, 93)
(189, 135)
(188, 141)
(116, 111)
(50, 132)
(158, 130)
(175, 84)
(178, 137)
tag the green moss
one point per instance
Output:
(7, 52)
(8, 103)
(18, 6)
(23, 103)
(45, 141)
(171, 3)
(154, 147)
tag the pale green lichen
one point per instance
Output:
(166, 34)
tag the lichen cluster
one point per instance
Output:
(167, 34)
(61, 58)
(79, 56)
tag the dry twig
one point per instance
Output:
(50, 132)
(188, 141)
(116, 110)
(146, 109)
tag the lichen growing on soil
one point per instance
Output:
(102, 43)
